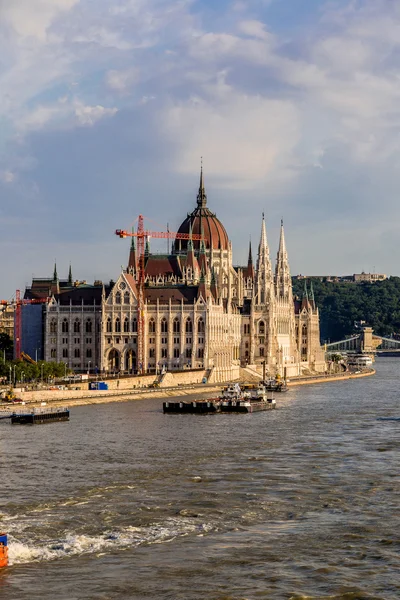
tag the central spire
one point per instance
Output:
(201, 196)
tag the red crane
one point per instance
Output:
(142, 234)
(19, 303)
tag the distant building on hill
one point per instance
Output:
(355, 278)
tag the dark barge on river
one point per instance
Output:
(39, 416)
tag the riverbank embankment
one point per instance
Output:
(79, 397)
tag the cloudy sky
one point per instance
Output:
(106, 108)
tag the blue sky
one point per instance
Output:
(106, 108)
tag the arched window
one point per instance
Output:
(201, 326)
(77, 326)
(53, 353)
(77, 353)
(177, 326)
(304, 330)
(134, 325)
(189, 326)
(127, 298)
(65, 326)
(53, 326)
(118, 298)
(200, 353)
(88, 353)
(109, 326)
(152, 326)
(89, 326)
(261, 328)
(164, 326)
(117, 325)
(126, 325)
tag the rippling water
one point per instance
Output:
(125, 502)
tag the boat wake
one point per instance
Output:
(73, 545)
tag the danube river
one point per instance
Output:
(124, 502)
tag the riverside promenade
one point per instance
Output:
(173, 385)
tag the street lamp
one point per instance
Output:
(89, 363)
(14, 375)
(10, 375)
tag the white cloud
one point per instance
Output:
(89, 115)
(254, 29)
(244, 139)
(7, 176)
(33, 18)
(122, 80)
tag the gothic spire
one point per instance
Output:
(147, 248)
(305, 293)
(250, 259)
(264, 280)
(55, 275)
(283, 281)
(70, 275)
(201, 196)
(132, 262)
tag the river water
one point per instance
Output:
(124, 502)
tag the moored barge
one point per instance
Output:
(233, 399)
(40, 416)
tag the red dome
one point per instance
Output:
(203, 222)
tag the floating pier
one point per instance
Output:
(40, 416)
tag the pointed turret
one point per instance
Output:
(191, 261)
(55, 275)
(249, 271)
(132, 263)
(70, 275)
(312, 297)
(283, 281)
(201, 196)
(202, 257)
(147, 248)
(264, 280)
(214, 286)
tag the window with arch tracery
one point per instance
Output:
(89, 326)
(134, 325)
(77, 353)
(118, 298)
(53, 353)
(152, 326)
(177, 326)
(53, 326)
(261, 328)
(109, 326)
(65, 326)
(117, 325)
(164, 326)
(127, 298)
(126, 325)
(189, 326)
(77, 326)
(201, 326)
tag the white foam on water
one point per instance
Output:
(21, 552)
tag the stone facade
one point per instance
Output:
(200, 311)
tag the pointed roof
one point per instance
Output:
(55, 275)
(201, 196)
(70, 275)
(263, 238)
(283, 280)
(132, 262)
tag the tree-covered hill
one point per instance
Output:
(340, 304)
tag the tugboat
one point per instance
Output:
(275, 385)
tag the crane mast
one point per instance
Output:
(142, 234)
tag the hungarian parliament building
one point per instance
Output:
(199, 311)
